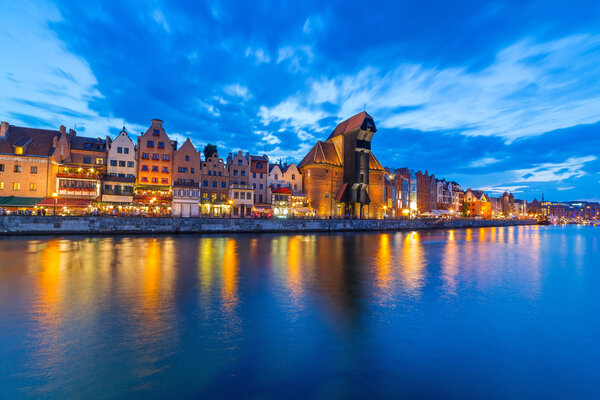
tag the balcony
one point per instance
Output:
(80, 173)
(241, 187)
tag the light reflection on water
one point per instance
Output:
(341, 315)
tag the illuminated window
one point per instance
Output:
(99, 161)
(18, 150)
(32, 186)
(17, 186)
(17, 168)
(1, 185)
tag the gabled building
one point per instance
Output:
(477, 204)
(241, 193)
(259, 171)
(341, 176)
(121, 168)
(29, 160)
(154, 176)
(214, 180)
(186, 181)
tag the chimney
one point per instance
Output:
(157, 121)
(62, 129)
(72, 132)
(3, 130)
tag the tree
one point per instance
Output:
(465, 210)
(209, 150)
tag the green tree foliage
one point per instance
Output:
(209, 150)
(465, 209)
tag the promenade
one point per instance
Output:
(103, 225)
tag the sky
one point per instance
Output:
(497, 95)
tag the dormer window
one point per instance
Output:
(18, 150)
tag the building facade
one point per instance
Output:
(241, 193)
(121, 168)
(259, 171)
(214, 179)
(341, 176)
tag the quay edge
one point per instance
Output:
(104, 225)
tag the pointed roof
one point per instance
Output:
(322, 153)
(374, 164)
(353, 123)
(39, 141)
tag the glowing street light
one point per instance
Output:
(54, 196)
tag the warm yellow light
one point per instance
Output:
(80, 169)
(54, 194)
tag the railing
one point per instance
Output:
(243, 187)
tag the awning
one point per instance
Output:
(61, 202)
(340, 192)
(302, 210)
(12, 201)
(262, 207)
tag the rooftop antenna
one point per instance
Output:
(365, 107)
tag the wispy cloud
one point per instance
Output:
(259, 54)
(549, 172)
(237, 90)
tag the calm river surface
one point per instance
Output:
(479, 313)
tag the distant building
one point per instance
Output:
(186, 181)
(241, 193)
(477, 204)
(121, 168)
(259, 171)
(423, 192)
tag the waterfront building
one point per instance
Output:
(341, 175)
(121, 167)
(80, 175)
(29, 160)
(535, 207)
(284, 175)
(154, 176)
(456, 196)
(258, 178)
(423, 181)
(186, 181)
(508, 204)
(281, 200)
(241, 193)
(214, 188)
(477, 204)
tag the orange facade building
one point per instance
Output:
(341, 176)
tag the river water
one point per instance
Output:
(488, 313)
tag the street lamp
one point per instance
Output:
(54, 196)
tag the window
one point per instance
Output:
(130, 164)
(156, 132)
(18, 150)
(99, 161)
(126, 150)
(209, 173)
(130, 176)
(165, 157)
(87, 146)
(205, 183)
(145, 156)
(121, 163)
(161, 145)
(276, 176)
(239, 161)
(150, 143)
(191, 170)
(122, 175)
(155, 168)
(119, 150)
(236, 195)
(235, 172)
(156, 156)
(1, 185)
(293, 176)
(1, 167)
(17, 186)
(254, 174)
(295, 186)
(260, 186)
(243, 173)
(254, 186)
(154, 180)
(165, 180)
(242, 182)
(259, 165)
(183, 170)
(144, 168)
(144, 179)
(17, 168)
(33, 170)
(33, 187)
(187, 158)
(87, 160)
(261, 176)
(223, 185)
(214, 184)
(165, 170)
(113, 163)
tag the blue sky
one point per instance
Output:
(495, 95)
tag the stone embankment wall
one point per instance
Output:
(34, 225)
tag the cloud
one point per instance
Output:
(237, 90)
(313, 24)
(565, 188)
(292, 113)
(529, 88)
(160, 19)
(259, 54)
(548, 172)
(297, 56)
(482, 162)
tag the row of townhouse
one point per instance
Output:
(145, 174)
(569, 210)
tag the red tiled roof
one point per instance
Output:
(40, 140)
(350, 124)
(322, 153)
